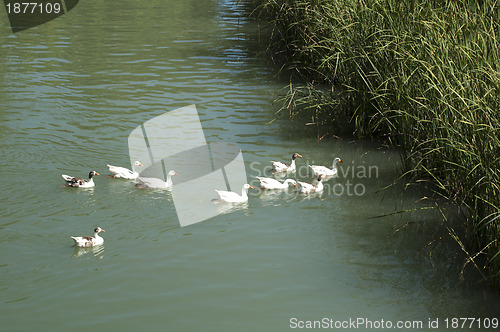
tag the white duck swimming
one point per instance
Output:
(72, 181)
(323, 170)
(269, 183)
(307, 188)
(124, 173)
(284, 167)
(231, 197)
(89, 241)
(155, 182)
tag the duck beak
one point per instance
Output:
(95, 173)
(340, 160)
(102, 230)
(176, 174)
(141, 164)
(250, 187)
(295, 185)
(298, 155)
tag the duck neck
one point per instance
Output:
(169, 180)
(244, 193)
(319, 186)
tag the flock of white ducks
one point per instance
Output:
(119, 173)
(321, 172)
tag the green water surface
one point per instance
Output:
(71, 91)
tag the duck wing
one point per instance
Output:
(77, 182)
(118, 171)
(83, 241)
(151, 182)
(229, 196)
(73, 181)
(268, 182)
(67, 178)
(280, 166)
(306, 187)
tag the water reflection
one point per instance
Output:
(225, 207)
(97, 251)
(277, 197)
(303, 197)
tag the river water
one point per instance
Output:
(73, 89)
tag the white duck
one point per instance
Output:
(323, 170)
(284, 167)
(89, 241)
(72, 181)
(231, 197)
(307, 188)
(269, 183)
(155, 182)
(124, 173)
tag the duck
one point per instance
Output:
(323, 170)
(155, 182)
(72, 181)
(231, 197)
(124, 173)
(269, 183)
(89, 241)
(307, 188)
(284, 167)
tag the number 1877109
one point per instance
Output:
(33, 8)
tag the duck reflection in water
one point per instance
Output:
(97, 251)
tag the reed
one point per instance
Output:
(424, 74)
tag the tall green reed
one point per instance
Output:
(424, 74)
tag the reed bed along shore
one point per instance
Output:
(423, 74)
